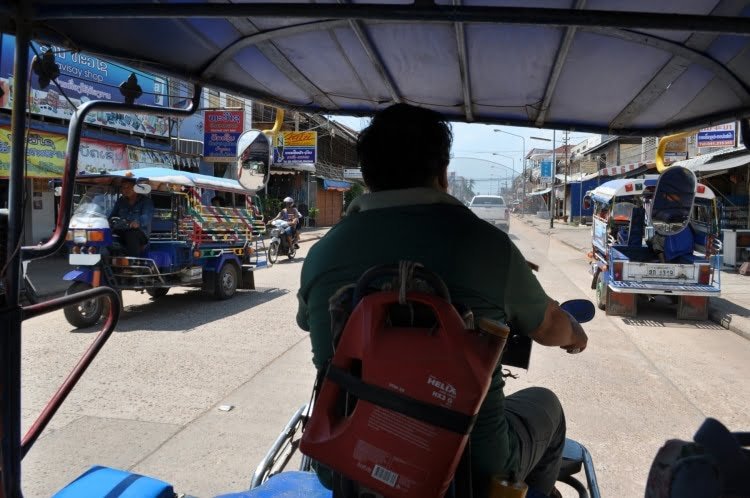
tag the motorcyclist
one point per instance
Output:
(291, 215)
(136, 209)
(404, 156)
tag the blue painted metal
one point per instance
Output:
(79, 276)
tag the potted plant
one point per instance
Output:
(312, 214)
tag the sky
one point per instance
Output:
(485, 155)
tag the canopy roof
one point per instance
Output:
(641, 67)
(157, 176)
(627, 187)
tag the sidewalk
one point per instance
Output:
(47, 274)
(731, 310)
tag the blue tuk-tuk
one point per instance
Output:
(630, 259)
(192, 243)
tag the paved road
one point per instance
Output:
(150, 401)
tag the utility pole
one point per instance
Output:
(565, 185)
(552, 191)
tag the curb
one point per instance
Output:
(725, 320)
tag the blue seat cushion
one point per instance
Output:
(677, 245)
(106, 482)
(291, 484)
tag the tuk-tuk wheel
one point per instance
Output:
(226, 281)
(157, 292)
(601, 292)
(87, 313)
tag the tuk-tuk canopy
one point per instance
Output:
(641, 67)
(629, 187)
(157, 177)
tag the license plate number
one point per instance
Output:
(660, 272)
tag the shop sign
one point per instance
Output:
(45, 153)
(95, 156)
(295, 147)
(357, 174)
(83, 78)
(221, 130)
(717, 136)
(147, 158)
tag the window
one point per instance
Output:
(487, 201)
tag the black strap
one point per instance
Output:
(438, 416)
(122, 486)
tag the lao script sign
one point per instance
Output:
(221, 130)
(717, 136)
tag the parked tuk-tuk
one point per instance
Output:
(630, 258)
(192, 243)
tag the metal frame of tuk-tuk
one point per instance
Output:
(23, 14)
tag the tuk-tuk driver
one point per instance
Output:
(136, 209)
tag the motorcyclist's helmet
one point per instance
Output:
(288, 200)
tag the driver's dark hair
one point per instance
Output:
(403, 147)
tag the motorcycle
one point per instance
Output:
(279, 243)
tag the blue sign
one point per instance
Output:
(82, 78)
(717, 136)
(546, 167)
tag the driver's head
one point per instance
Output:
(404, 147)
(127, 187)
(288, 202)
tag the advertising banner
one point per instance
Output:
(221, 130)
(296, 147)
(83, 78)
(717, 136)
(45, 153)
(95, 156)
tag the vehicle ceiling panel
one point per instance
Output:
(621, 74)
(521, 69)
(613, 69)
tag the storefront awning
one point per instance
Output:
(339, 185)
(539, 192)
(718, 161)
(292, 168)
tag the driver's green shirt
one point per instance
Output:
(482, 268)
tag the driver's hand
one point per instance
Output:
(134, 224)
(580, 339)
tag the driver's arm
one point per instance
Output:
(115, 210)
(531, 312)
(559, 328)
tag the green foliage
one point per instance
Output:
(272, 208)
(313, 213)
(351, 194)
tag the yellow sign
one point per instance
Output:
(45, 154)
(300, 138)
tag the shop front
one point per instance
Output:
(330, 200)
(46, 161)
(727, 173)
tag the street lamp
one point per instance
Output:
(523, 200)
(554, 173)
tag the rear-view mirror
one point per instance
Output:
(582, 310)
(586, 204)
(253, 160)
(672, 201)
